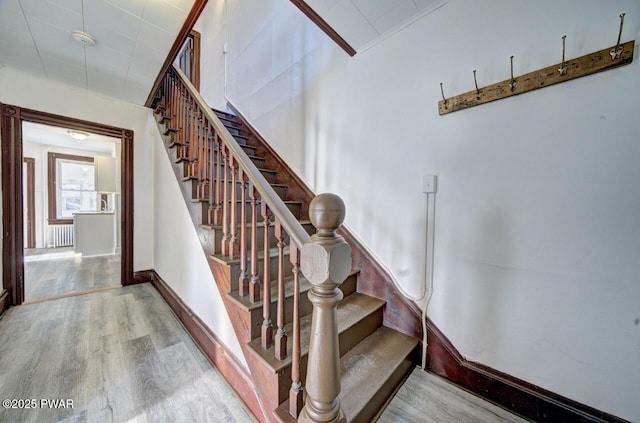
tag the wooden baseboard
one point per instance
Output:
(233, 371)
(142, 276)
(4, 301)
(521, 397)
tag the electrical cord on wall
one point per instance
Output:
(426, 291)
(428, 271)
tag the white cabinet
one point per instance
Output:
(93, 233)
(105, 171)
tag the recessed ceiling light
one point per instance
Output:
(78, 135)
(84, 38)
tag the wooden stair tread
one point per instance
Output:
(375, 365)
(351, 310)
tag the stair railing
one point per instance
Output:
(238, 195)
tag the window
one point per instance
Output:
(71, 187)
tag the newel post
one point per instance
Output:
(325, 261)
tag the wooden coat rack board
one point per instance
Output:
(608, 58)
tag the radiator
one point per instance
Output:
(62, 235)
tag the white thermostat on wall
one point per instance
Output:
(429, 184)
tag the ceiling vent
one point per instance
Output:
(83, 38)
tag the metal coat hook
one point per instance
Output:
(617, 50)
(443, 97)
(478, 94)
(513, 82)
(563, 67)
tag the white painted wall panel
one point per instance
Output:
(178, 255)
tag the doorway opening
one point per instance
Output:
(72, 193)
(72, 212)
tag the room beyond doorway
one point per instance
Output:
(71, 231)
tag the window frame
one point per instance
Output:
(52, 166)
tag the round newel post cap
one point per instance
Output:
(327, 212)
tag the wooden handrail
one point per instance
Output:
(291, 225)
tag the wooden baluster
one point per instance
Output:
(175, 105)
(217, 218)
(243, 282)
(281, 334)
(225, 201)
(254, 284)
(212, 172)
(207, 166)
(233, 236)
(184, 124)
(192, 139)
(325, 262)
(179, 136)
(296, 392)
(202, 169)
(267, 326)
(172, 103)
(199, 154)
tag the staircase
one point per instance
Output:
(244, 229)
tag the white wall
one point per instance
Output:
(178, 255)
(537, 229)
(20, 89)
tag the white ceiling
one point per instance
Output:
(363, 22)
(59, 137)
(133, 38)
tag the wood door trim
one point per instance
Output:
(11, 118)
(31, 201)
(192, 17)
(52, 198)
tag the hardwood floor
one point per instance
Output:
(120, 355)
(51, 274)
(427, 398)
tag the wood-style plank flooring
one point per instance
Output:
(120, 355)
(427, 398)
(53, 274)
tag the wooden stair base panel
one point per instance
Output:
(358, 316)
(371, 373)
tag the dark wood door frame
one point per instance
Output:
(11, 118)
(30, 195)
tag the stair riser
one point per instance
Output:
(273, 242)
(347, 287)
(347, 340)
(256, 315)
(181, 156)
(295, 210)
(250, 150)
(380, 399)
(238, 131)
(273, 271)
